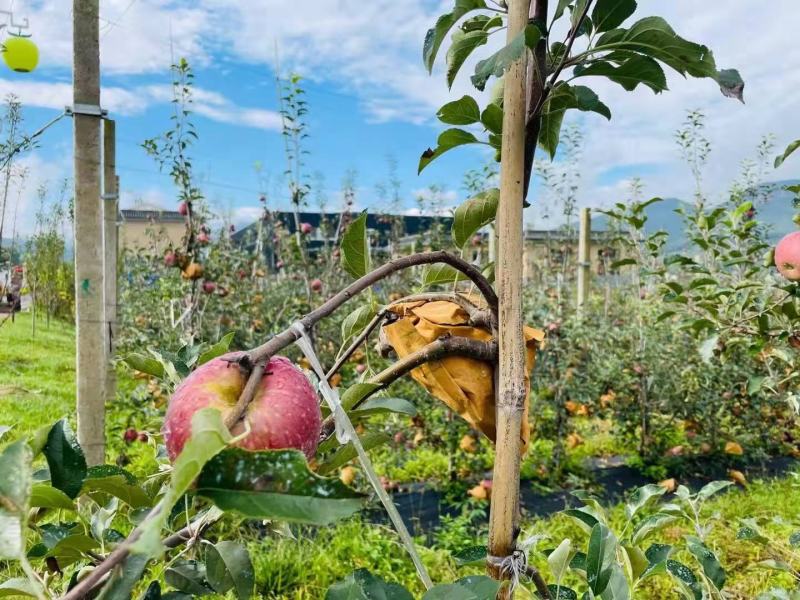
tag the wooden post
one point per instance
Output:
(510, 376)
(110, 249)
(90, 361)
(584, 258)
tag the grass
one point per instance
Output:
(37, 387)
(37, 373)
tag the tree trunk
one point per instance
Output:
(510, 377)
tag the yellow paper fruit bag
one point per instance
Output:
(466, 385)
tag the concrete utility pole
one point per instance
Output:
(584, 259)
(90, 361)
(110, 211)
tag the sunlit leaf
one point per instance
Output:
(355, 248)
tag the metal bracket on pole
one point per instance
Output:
(90, 110)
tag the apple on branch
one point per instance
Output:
(283, 414)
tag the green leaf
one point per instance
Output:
(731, 84)
(435, 36)
(708, 561)
(145, 364)
(65, 459)
(550, 131)
(474, 587)
(599, 558)
(117, 485)
(209, 437)
(228, 566)
(561, 592)
(356, 393)
(653, 36)
(609, 14)
(73, 548)
(19, 586)
(355, 248)
(712, 488)
(775, 565)
(492, 118)
(188, 576)
(46, 496)
(750, 531)
(635, 70)
(637, 560)
(562, 98)
(501, 60)
(363, 585)
(275, 484)
(448, 139)
(558, 559)
(617, 586)
(787, 153)
(686, 579)
(650, 524)
(473, 214)
(464, 111)
(462, 45)
(354, 323)
(15, 489)
(560, 8)
(642, 497)
(218, 349)
(584, 516)
(474, 556)
(382, 404)
(441, 274)
(344, 454)
(657, 555)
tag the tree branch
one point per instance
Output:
(264, 352)
(436, 350)
(376, 320)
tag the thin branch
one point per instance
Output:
(376, 320)
(436, 350)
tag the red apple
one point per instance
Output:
(183, 208)
(360, 368)
(170, 259)
(203, 238)
(284, 413)
(787, 256)
(306, 228)
(130, 435)
(279, 265)
(316, 285)
(209, 287)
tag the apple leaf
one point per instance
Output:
(382, 404)
(464, 111)
(473, 214)
(218, 349)
(435, 36)
(448, 139)
(355, 247)
(15, 489)
(65, 459)
(117, 482)
(787, 153)
(145, 364)
(275, 484)
(209, 437)
(20, 586)
(363, 585)
(228, 566)
(440, 275)
(46, 496)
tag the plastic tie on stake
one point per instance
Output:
(346, 433)
(515, 565)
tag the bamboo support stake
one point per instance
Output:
(90, 364)
(110, 249)
(584, 259)
(510, 388)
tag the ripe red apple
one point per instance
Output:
(203, 238)
(787, 256)
(170, 259)
(306, 228)
(183, 208)
(284, 413)
(209, 287)
(130, 435)
(316, 285)
(360, 368)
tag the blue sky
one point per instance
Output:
(370, 98)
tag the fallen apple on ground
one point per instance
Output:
(283, 414)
